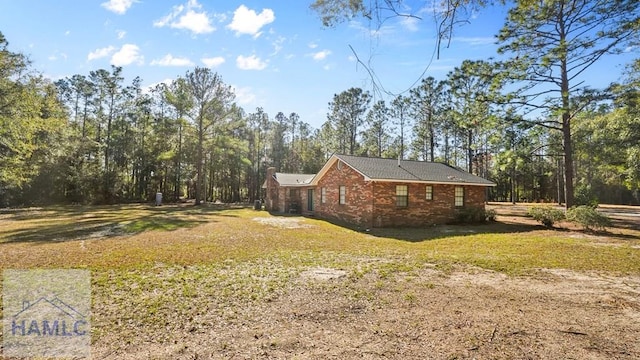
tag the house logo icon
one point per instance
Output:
(48, 317)
(46, 313)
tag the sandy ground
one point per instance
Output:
(461, 312)
(464, 313)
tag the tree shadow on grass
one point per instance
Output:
(498, 227)
(433, 232)
(445, 231)
(70, 223)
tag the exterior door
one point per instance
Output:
(310, 193)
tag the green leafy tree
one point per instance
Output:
(400, 113)
(376, 138)
(32, 123)
(554, 43)
(278, 144)
(212, 102)
(428, 106)
(347, 115)
(177, 96)
(259, 126)
(474, 86)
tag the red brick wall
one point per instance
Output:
(279, 198)
(272, 201)
(304, 200)
(420, 211)
(359, 201)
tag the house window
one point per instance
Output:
(323, 195)
(343, 195)
(294, 193)
(459, 196)
(402, 195)
(429, 192)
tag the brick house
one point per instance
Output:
(376, 192)
(284, 191)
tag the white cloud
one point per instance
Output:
(147, 89)
(213, 61)
(165, 21)
(189, 17)
(246, 21)
(118, 6)
(169, 60)
(410, 23)
(312, 45)
(277, 45)
(121, 34)
(100, 53)
(67, 33)
(476, 41)
(372, 31)
(321, 55)
(127, 55)
(250, 63)
(198, 23)
(244, 95)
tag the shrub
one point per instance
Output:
(584, 195)
(490, 215)
(474, 215)
(588, 217)
(546, 215)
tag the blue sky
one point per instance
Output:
(276, 54)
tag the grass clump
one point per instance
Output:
(588, 217)
(546, 215)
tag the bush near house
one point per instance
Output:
(546, 215)
(588, 217)
(475, 215)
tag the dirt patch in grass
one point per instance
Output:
(323, 274)
(282, 222)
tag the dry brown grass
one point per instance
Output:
(215, 282)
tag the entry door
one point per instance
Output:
(310, 193)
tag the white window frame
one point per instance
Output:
(429, 192)
(402, 196)
(343, 195)
(323, 195)
(458, 196)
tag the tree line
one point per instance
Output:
(96, 139)
(525, 122)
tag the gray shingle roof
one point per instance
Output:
(285, 179)
(388, 169)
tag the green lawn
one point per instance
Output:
(139, 236)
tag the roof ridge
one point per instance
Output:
(394, 159)
(284, 173)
